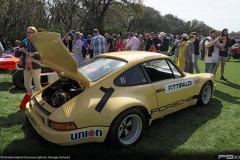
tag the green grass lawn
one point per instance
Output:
(194, 133)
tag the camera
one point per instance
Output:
(221, 38)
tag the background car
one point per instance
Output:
(9, 53)
(111, 97)
(8, 57)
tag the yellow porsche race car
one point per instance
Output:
(112, 96)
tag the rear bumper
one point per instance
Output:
(78, 136)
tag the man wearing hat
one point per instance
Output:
(133, 42)
(164, 43)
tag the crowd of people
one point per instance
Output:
(96, 44)
(186, 49)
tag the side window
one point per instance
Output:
(176, 72)
(159, 70)
(131, 77)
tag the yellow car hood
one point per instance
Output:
(55, 55)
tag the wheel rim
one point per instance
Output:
(130, 129)
(206, 96)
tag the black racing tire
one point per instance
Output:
(18, 79)
(205, 94)
(127, 128)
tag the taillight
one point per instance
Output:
(62, 126)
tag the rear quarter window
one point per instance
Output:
(131, 77)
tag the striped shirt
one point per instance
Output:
(98, 43)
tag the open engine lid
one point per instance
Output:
(55, 55)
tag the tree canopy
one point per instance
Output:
(111, 16)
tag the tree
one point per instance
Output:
(85, 15)
(97, 10)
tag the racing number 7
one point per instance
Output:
(108, 92)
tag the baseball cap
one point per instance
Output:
(130, 34)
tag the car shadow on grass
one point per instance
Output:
(5, 86)
(15, 90)
(8, 86)
(230, 84)
(161, 138)
(12, 119)
(3, 71)
(227, 97)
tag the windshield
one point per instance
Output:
(97, 68)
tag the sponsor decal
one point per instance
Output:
(174, 104)
(107, 94)
(152, 56)
(198, 81)
(176, 86)
(123, 80)
(86, 134)
(7, 63)
(91, 133)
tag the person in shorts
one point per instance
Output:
(212, 47)
(223, 54)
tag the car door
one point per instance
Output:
(173, 90)
(133, 83)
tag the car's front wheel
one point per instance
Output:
(127, 129)
(205, 94)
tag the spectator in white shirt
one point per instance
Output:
(133, 42)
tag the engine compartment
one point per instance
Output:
(61, 92)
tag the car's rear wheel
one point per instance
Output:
(127, 129)
(205, 94)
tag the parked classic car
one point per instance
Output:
(113, 96)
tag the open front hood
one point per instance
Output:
(55, 55)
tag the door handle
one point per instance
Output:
(160, 90)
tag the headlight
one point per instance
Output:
(62, 126)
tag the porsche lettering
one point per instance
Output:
(174, 104)
(172, 87)
(86, 134)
